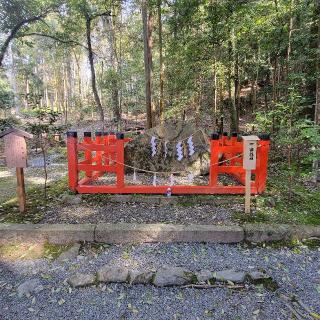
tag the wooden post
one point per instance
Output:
(249, 163)
(120, 159)
(214, 159)
(247, 192)
(21, 190)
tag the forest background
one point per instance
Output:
(256, 63)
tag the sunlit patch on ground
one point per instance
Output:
(5, 173)
(75, 212)
(21, 251)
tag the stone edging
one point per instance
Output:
(140, 233)
(167, 276)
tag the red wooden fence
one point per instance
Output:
(105, 153)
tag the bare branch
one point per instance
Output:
(74, 42)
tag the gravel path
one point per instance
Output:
(140, 213)
(296, 271)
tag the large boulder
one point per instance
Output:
(138, 152)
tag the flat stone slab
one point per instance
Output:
(68, 233)
(230, 275)
(52, 233)
(167, 233)
(262, 232)
(70, 254)
(111, 273)
(81, 280)
(173, 276)
(18, 233)
(142, 233)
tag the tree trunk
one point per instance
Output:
(237, 90)
(114, 67)
(147, 62)
(161, 98)
(93, 73)
(13, 80)
(316, 163)
(215, 90)
(290, 28)
(231, 83)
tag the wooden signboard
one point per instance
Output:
(249, 163)
(15, 151)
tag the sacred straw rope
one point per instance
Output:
(168, 172)
(165, 172)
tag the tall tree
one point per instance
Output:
(147, 39)
(114, 67)
(316, 163)
(161, 77)
(89, 17)
(16, 15)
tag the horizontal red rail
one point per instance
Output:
(163, 189)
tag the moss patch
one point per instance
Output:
(36, 203)
(53, 251)
(23, 251)
(275, 205)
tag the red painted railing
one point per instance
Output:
(105, 154)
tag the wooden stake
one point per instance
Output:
(21, 190)
(248, 192)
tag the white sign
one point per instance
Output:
(250, 152)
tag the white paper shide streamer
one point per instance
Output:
(179, 151)
(134, 179)
(190, 177)
(153, 146)
(171, 180)
(190, 146)
(166, 149)
(154, 182)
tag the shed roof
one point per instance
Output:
(17, 132)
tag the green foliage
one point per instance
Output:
(6, 95)
(8, 122)
(294, 135)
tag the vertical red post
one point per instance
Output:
(120, 159)
(99, 140)
(72, 160)
(106, 154)
(87, 153)
(214, 159)
(262, 162)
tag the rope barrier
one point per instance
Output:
(168, 172)
(163, 172)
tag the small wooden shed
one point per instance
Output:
(15, 147)
(15, 151)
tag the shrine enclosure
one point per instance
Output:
(104, 153)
